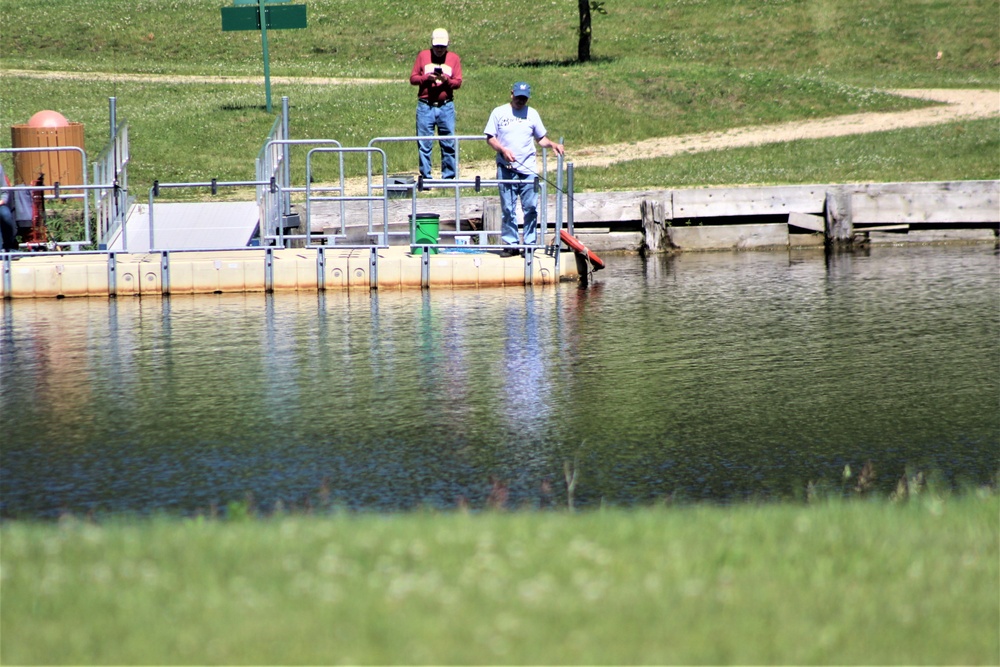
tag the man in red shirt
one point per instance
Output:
(438, 73)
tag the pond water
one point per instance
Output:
(698, 377)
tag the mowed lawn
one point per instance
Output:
(844, 582)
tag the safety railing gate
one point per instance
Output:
(111, 198)
(272, 167)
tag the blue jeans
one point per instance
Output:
(442, 118)
(8, 227)
(509, 194)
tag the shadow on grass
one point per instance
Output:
(242, 106)
(573, 62)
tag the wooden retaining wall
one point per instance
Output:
(836, 215)
(752, 217)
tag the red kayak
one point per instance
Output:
(574, 243)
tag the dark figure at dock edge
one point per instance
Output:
(438, 73)
(8, 225)
(512, 131)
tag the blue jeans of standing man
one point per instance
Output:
(524, 190)
(442, 118)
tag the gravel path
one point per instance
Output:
(958, 104)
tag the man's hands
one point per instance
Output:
(548, 143)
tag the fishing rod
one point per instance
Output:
(563, 190)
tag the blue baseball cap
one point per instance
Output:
(521, 89)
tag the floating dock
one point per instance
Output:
(272, 269)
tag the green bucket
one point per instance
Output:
(427, 227)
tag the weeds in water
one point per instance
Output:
(498, 496)
(569, 473)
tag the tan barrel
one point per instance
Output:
(63, 167)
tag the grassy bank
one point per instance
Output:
(660, 69)
(863, 582)
(881, 42)
(968, 150)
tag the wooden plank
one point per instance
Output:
(630, 241)
(729, 237)
(814, 223)
(929, 203)
(726, 202)
(881, 228)
(806, 240)
(609, 207)
(952, 234)
(909, 187)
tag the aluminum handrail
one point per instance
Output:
(57, 186)
(369, 151)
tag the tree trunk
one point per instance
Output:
(583, 49)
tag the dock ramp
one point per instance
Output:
(189, 226)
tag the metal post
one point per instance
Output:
(112, 277)
(267, 62)
(8, 288)
(152, 193)
(113, 112)
(113, 116)
(569, 202)
(165, 272)
(321, 268)
(269, 269)
(285, 165)
(559, 192)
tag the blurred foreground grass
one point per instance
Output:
(843, 582)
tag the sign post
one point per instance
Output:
(263, 15)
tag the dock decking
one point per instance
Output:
(112, 274)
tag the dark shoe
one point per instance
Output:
(509, 252)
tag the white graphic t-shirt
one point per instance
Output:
(517, 131)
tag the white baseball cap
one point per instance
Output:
(439, 37)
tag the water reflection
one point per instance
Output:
(525, 370)
(716, 376)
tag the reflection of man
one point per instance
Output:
(512, 131)
(438, 73)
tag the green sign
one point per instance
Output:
(246, 15)
(277, 17)
(240, 18)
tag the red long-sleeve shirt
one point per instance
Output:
(436, 88)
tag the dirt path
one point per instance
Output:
(190, 78)
(958, 104)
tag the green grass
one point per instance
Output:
(660, 69)
(847, 582)
(881, 42)
(194, 132)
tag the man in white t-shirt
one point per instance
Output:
(512, 131)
